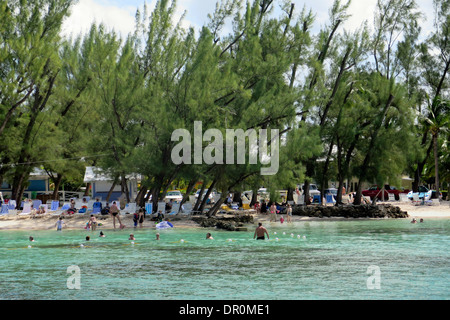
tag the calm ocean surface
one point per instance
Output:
(376, 259)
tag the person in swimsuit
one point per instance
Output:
(93, 222)
(59, 224)
(289, 213)
(141, 217)
(260, 232)
(114, 211)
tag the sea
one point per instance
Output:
(385, 259)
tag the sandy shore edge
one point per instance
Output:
(47, 222)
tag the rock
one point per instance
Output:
(235, 223)
(350, 211)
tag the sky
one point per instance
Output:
(119, 14)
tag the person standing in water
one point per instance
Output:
(59, 224)
(114, 211)
(288, 213)
(93, 223)
(260, 232)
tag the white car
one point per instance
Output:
(313, 190)
(175, 195)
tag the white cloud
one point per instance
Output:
(86, 12)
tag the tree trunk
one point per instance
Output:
(189, 189)
(199, 199)
(218, 204)
(86, 192)
(140, 200)
(206, 197)
(57, 183)
(436, 163)
(112, 188)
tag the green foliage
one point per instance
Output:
(345, 102)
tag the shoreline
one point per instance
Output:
(78, 222)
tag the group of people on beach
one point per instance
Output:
(273, 210)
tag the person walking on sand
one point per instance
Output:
(260, 232)
(59, 224)
(114, 211)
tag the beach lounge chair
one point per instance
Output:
(26, 211)
(187, 207)
(5, 209)
(161, 207)
(130, 207)
(96, 210)
(330, 199)
(54, 205)
(53, 208)
(149, 208)
(415, 200)
(403, 197)
(175, 209)
(12, 204)
(65, 206)
(316, 199)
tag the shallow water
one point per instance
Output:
(320, 260)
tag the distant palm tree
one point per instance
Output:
(438, 120)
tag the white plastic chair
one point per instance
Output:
(416, 200)
(26, 209)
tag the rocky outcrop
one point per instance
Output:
(350, 211)
(235, 223)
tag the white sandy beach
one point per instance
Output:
(47, 222)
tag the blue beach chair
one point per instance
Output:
(330, 199)
(316, 199)
(5, 209)
(149, 208)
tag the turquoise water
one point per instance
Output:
(330, 262)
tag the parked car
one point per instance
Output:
(204, 193)
(375, 191)
(175, 195)
(211, 197)
(262, 193)
(313, 190)
(424, 192)
(332, 191)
